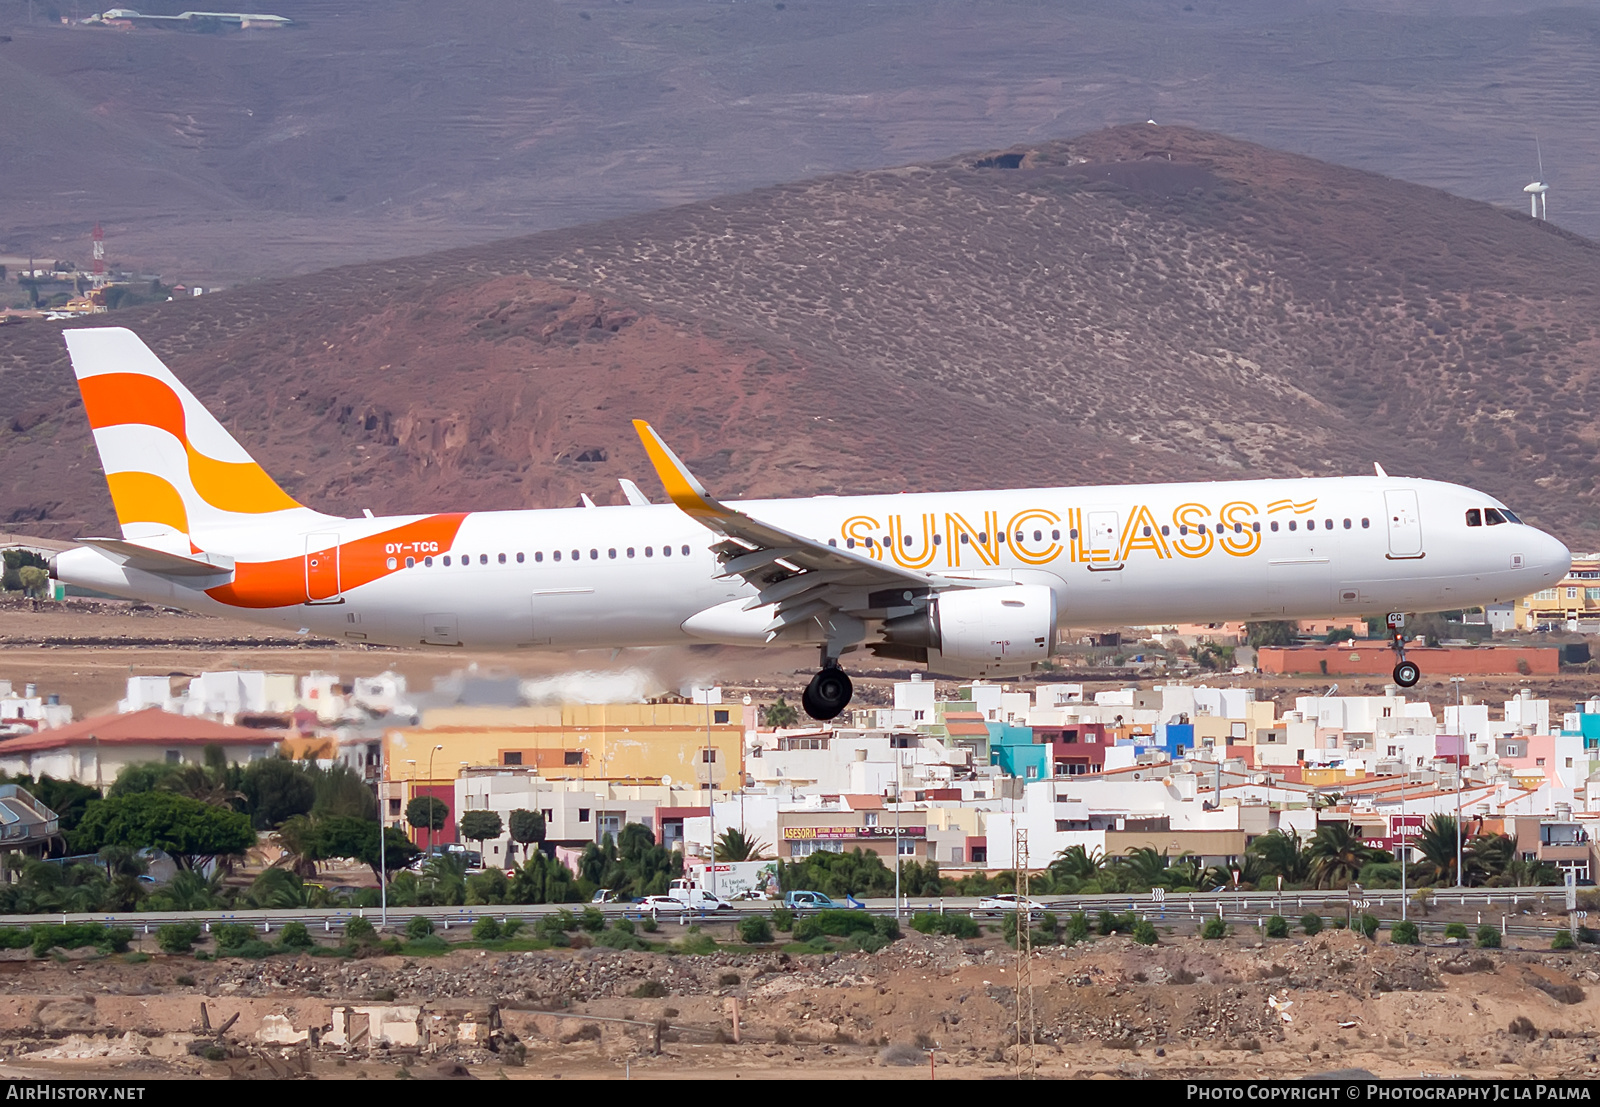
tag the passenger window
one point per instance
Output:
(983, 536)
(1474, 517)
(1365, 523)
(1074, 533)
(391, 564)
(538, 555)
(1238, 528)
(965, 541)
(685, 551)
(594, 555)
(1347, 524)
(447, 560)
(1166, 531)
(938, 540)
(868, 542)
(908, 540)
(1274, 526)
(1327, 524)
(612, 554)
(427, 562)
(556, 555)
(466, 561)
(1291, 524)
(649, 551)
(411, 562)
(1255, 528)
(1147, 532)
(1493, 517)
(1038, 536)
(666, 551)
(577, 555)
(1183, 530)
(849, 543)
(630, 551)
(834, 542)
(1055, 535)
(1311, 524)
(519, 557)
(501, 558)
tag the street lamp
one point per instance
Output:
(1461, 771)
(895, 797)
(383, 835)
(431, 800)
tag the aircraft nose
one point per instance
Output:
(1550, 557)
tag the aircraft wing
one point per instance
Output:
(801, 577)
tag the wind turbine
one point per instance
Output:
(1536, 190)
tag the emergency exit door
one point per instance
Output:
(322, 568)
(1405, 523)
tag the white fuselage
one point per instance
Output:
(1114, 555)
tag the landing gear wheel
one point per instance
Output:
(827, 695)
(1406, 674)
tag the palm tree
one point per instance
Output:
(1078, 863)
(188, 891)
(1337, 855)
(1437, 843)
(1281, 854)
(1489, 857)
(732, 845)
(297, 837)
(203, 783)
(1145, 866)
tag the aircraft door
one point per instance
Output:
(1102, 538)
(322, 569)
(1405, 523)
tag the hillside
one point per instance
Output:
(1138, 302)
(378, 130)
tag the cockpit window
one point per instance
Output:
(1510, 518)
(1493, 517)
(1474, 517)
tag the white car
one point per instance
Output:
(1009, 902)
(661, 905)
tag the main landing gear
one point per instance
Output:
(1406, 673)
(829, 692)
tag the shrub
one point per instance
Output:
(509, 930)
(839, 924)
(697, 944)
(650, 989)
(295, 936)
(1488, 937)
(866, 943)
(487, 929)
(428, 943)
(232, 936)
(624, 925)
(1588, 936)
(1311, 924)
(1562, 940)
(885, 927)
(1456, 930)
(1367, 926)
(177, 937)
(1277, 927)
(782, 919)
(1405, 934)
(359, 931)
(649, 925)
(1077, 927)
(1144, 932)
(418, 927)
(184, 981)
(1214, 927)
(593, 920)
(47, 936)
(956, 926)
(754, 930)
(616, 938)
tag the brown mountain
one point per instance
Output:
(1141, 302)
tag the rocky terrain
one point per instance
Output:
(376, 132)
(1140, 303)
(1184, 1008)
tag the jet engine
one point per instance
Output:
(978, 631)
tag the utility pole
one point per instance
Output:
(1461, 771)
(896, 799)
(1024, 960)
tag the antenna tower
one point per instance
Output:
(1026, 1026)
(99, 238)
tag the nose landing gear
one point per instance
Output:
(828, 694)
(1406, 673)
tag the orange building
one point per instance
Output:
(1377, 659)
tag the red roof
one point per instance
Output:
(152, 725)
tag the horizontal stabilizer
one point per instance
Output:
(148, 560)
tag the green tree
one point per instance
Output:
(779, 714)
(190, 832)
(68, 799)
(1145, 866)
(1078, 863)
(276, 790)
(15, 561)
(477, 826)
(427, 812)
(1278, 633)
(1282, 855)
(357, 840)
(526, 827)
(1437, 843)
(1336, 855)
(732, 845)
(340, 790)
(34, 580)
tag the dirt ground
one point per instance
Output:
(925, 1006)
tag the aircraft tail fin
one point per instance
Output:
(171, 467)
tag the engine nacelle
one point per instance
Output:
(981, 631)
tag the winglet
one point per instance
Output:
(630, 490)
(688, 493)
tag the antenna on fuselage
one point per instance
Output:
(1378, 469)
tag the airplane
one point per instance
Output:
(973, 584)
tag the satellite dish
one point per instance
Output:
(667, 780)
(748, 700)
